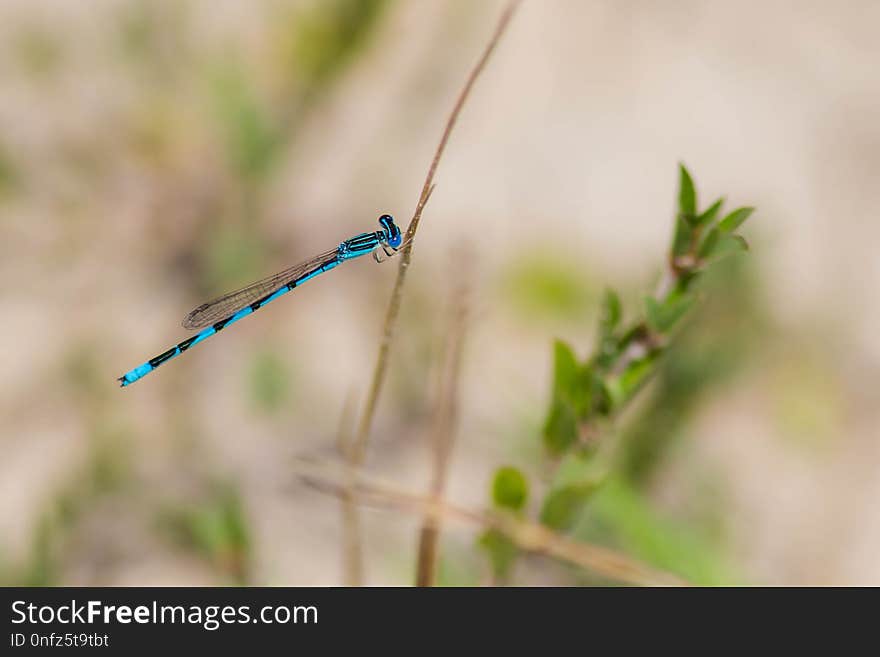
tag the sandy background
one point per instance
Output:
(155, 153)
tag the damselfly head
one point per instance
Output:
(392, 232)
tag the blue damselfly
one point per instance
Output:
(223, 311)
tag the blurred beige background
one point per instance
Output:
(153, 154)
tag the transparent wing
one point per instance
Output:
(229, 304)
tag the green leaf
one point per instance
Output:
(510, 490)
(632, 378)
(687, 195)
(562, 507)
(681, 241)
(560, 428)
(577, 478)
(710, 242)
(600, 397)
(571, 400)
(611, 312)
(728, 245)
(636, 374)
(709, 215)
(502, 553)
(741, 242)
(653, 311)
(662, 316)
(565, 369)
(578, 469)
(734, 220)
(630, 520)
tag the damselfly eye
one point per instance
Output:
(392, 232)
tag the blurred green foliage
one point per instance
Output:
(548, 287)
(622, 516)
(257, 126)
(458, 568)
(709, 351)
(233, 254)
(510, 490)
(43, 568)
(502, 554)
(39, 51)
(316, 44)
(269, 381)
(576, 478)
(578, 393)
(808, 404)
(105, 473)
(82, 370)
(319, 43)
(10, 177)
(216, 529)
(586, 396)
(510, 493)
(251, 135)
(152, 37)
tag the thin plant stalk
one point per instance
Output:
(357, 450)
(445, 419)
(527, 535)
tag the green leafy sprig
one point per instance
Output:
(588, 394)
